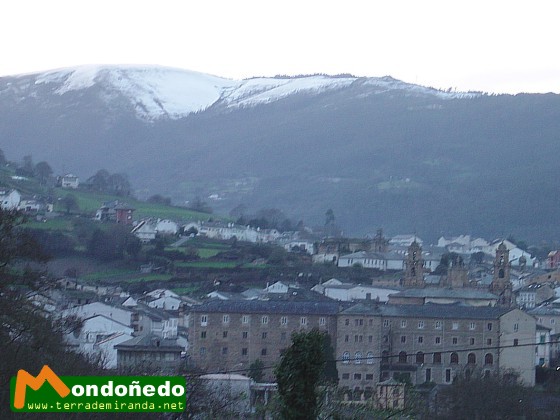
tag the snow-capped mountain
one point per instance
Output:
(157, 92)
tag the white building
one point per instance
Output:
(405, 240)
(9, 199)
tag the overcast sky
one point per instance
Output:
(491, 45)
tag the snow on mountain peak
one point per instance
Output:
(157, 92)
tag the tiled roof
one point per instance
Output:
(440, 292)
(268, 306)
(149, 342)
(429, 311)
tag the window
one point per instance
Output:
(203, 334)
(284, 320)
(264, 319)
(455, 340)
(345, 357)
(472, 326)
(447, 375)
(345, 376)
(489, 326)
(224, 334)
(385, 356)
(438, 340)
(225, 319)
(437, 325)
(471, 358)
(283, 336)
(203, 351)
(346, 338)
(455, 325)
(346, 321)
(369, 359)
(403, 339)
(488, 359)
(264, 335)
(303, 321)
(542, 339)
(224, 351)
(370, 339)
(358, 357)
(428, 375)
(402, 357)
(244, 351)
(436, 358)
(515, 342)
(454, 358)
(357, 376)
(419, 358)
(322, 321)
(245, 334)
(420, 324)
(203, 320)
(488, 341)
(359, 322)
(369, 376)
(420, 339)
(263, 352)
(385, 323)
(403, 323)
(245, 319)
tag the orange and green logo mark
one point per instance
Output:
(96, 393)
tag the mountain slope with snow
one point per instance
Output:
(156, 92)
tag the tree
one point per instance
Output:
(159, 199)
(70, 203)
(43, 171)
(16, 244)
(256, 370)
(98, 181)
(486, 398)
(298, 375)
(199, 205)
(329, 217)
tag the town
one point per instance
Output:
(400, 313)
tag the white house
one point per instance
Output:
(277, 287)
(543, 348)
(69, 181)
(119, 314)
(168, 303)
(97, 335)
(145, 230)
(380, 260)
(348, 292)
(166, 227)
(405, 240)
(9, 199)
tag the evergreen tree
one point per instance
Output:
(298, 375)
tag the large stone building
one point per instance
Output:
(432, 343)
(226, 335)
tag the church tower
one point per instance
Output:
(457, 274)
(501, 284)
(414, 267)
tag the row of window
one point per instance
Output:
(438, 340)
(419, 358)
(246, 319)
(421, 324)
(245, 335)
(225, 351)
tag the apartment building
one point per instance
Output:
(230, 335)
(432, 343)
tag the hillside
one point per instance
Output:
(407, 158)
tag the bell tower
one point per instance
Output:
(414, 267)
(501, 284)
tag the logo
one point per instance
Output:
(47, 392)
(25, 380)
